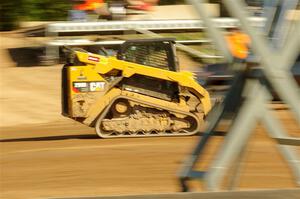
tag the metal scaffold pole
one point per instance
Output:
(251, 92)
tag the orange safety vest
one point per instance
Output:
(238, 44)
(89, 5)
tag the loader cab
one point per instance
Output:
(158, 53)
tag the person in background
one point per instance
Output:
(90, 7)
(113, 10)
(238, 43)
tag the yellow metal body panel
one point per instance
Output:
(186, 79)
(83, 75)
(102, 103)
(97, 94)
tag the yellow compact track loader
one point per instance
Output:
(137, 93)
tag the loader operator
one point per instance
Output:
(238, 44)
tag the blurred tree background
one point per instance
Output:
(9, 11)
(46, 9)
(14, 11)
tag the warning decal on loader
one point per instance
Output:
(95, 59)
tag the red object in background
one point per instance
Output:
(89, 5)
(145, 7)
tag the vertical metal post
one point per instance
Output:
(274, 62)
(52, 52)
(275, 130)
(237, 137)
(283, 26)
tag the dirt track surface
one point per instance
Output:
(67, 159)
(45, 155)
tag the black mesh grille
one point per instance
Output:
(149, 55)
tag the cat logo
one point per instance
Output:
(97, 86)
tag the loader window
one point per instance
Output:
(148, 55)
(158, 88)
